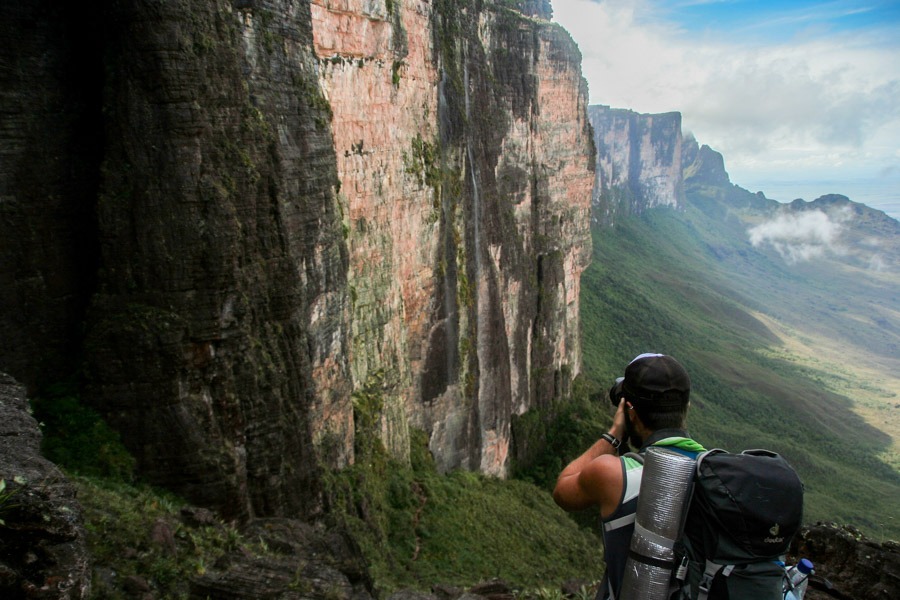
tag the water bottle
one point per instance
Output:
(798, 575)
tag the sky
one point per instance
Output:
(801, 98)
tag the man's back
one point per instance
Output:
(651, 406)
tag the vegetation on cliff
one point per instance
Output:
(416, 527)
(419, 528)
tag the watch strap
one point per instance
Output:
(614, 442)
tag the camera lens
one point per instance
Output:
(615, 392)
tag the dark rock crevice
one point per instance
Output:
(51, 144)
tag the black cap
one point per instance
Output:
(653, 377)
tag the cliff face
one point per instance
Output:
(217, 336)
(703, 165)
(261, 207)
(464, 164)
(50, 92)
(639, 162)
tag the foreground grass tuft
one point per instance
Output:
(138, 540)
(419, 528)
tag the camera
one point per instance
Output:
(616, 392)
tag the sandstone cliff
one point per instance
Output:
(233, 217)
(462, 153)
(639, 162)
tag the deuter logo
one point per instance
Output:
(775, 539)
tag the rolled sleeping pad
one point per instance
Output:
(666, 486)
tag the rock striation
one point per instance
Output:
(639, 162)
(464, 167)
(217, 336)
(43, 552)
(234, 217)
(50, 100)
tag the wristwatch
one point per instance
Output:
(614, 442)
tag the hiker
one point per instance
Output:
(652, 401)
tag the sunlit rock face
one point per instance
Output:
(261, 211)
(464, 158)
(639, 162)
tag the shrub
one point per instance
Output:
(78, 439)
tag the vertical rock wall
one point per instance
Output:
(230, 215)
(50, 140)
(464, 159)
(639, 162)
(217, 339)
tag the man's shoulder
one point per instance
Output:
(604, 468)
(632, 461)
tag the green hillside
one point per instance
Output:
(747, 326)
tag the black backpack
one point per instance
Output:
(744, 511)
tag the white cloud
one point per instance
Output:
(814, 105)
(800, 237)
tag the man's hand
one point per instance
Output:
(618, 428)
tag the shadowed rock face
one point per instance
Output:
(43, 553)
(50, 146)
(216, 338)
(229, 215)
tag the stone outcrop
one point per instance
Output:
(644, 161)
(639, 162)
(231, 215)
(43, 553)
(303, 561)
(847, 564)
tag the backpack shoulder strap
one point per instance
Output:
(760, 452)
(703, 455)
(635, 456)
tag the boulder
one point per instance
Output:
(854, 566)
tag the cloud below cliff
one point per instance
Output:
(783, 90)
(800, 237)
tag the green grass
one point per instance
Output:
(135, 531)
(686, 284)
(419, 528)
(416, 527)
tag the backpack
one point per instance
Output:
(743, 512)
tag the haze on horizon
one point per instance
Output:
(800, 97)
